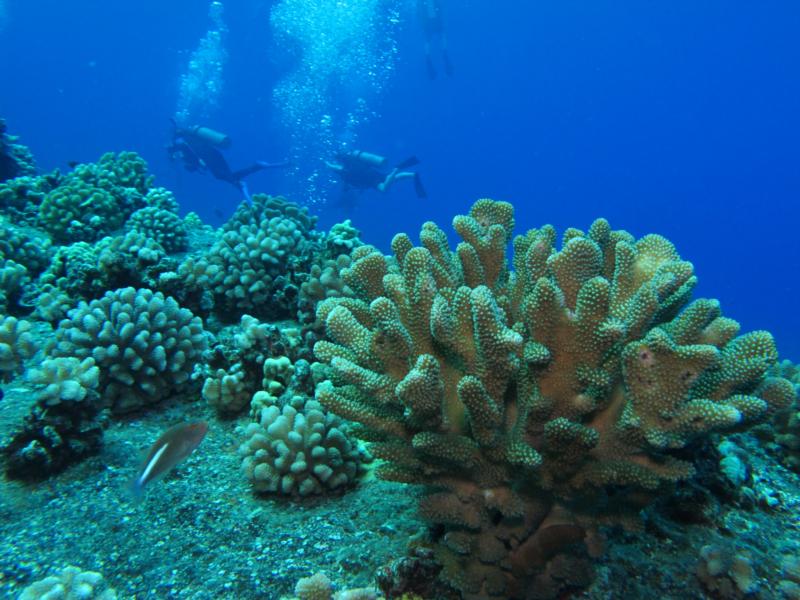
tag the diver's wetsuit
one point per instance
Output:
(198, 154)
(359, 175)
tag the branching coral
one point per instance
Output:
(537, 404)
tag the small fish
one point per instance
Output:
(172, 447)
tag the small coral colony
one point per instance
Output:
(535, 396)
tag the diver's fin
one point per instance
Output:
(267, 165)
(245, 192)
(418, 187)
(411, 161)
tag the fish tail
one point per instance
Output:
(136, 490)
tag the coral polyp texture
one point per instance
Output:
(16, 345)
(144, 344)
(785, 429)
(250, 266)
(299, 449)
(537, 403)
(96, 198)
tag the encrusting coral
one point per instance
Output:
(535, 404)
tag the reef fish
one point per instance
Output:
(175, 444)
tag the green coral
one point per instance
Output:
(79, 211)
(535, 403)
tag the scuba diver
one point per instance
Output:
(431, 20)
(361, 171)
(199, 149)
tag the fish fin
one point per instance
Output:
(135, 490)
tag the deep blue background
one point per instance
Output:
(678, 118)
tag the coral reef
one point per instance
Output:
(96, 198)
(299, 449)
(250, 268)
(539, 404)
(21, 197)
(145, 345)
(16, 345)
(319, 587)
(726, 573)
(26, 246)
(234, 366)
(70, 584)
(784, 431)
(16, 160)
(14, 280)
(64, 426)
(161, 225)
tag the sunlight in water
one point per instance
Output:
(343, 53)
(201, 84)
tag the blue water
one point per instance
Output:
(676, 118)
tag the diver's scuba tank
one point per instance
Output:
(210, 136)
(368, 157)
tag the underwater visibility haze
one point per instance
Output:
(422, 299)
